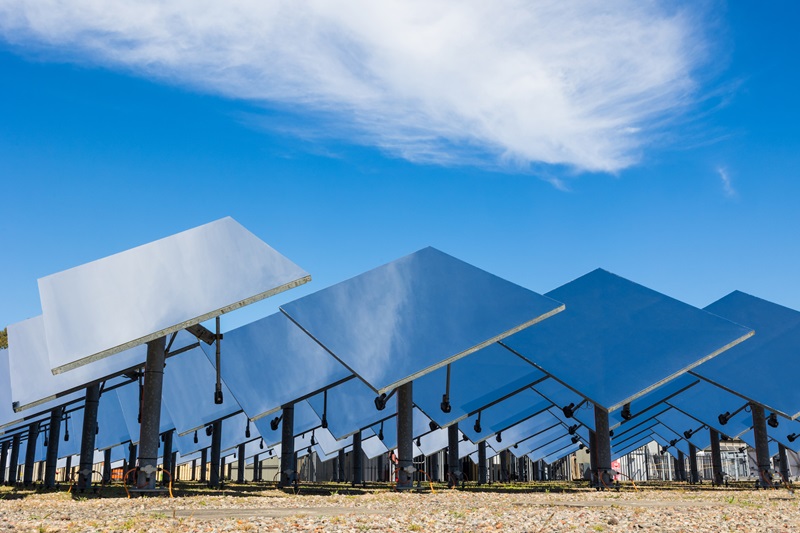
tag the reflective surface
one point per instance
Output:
(274, 347)
(420, 426)
(560, 396)
(466, 448)
(526, 433)
(7, 414)
(406, 318)
(775, 347)
(560, 454)
(111, 427)
(32, 382)
(106, 306)
(351, 407)
(305, 419)
(617, 339)
(644, 405)
(617, 452)
(233, 432)
(328, 443)
(128, 397)
(434, 441)
(705, 402)
(547, 443)
(681, 423)
(554, 447)
(373, 447)
(475, 381)
(503, 415)
(669, 435)
(188, 392)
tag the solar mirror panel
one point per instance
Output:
(784, 430)
(421, 425)
(107, 306)
(128, 397)
(349, 407)
(669, 435)
(554, 447)
(475, 382)
(618, 454)
(32, 382)
(330, 444)
(618, 340)
(188, 392)
(465, 448)
(273, 346)
(627, 431)
(511, 411)
(560, 454)
(526, 431)
(435, 441)
(777, 345)
(111, 427)
(305, 419)
(560, 396)
(542, 444)
(653, 400)
(705, 402)
(8, 417)
(682, 424)
(373, 447)
(409, 317)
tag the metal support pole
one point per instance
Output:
(482, 462)
(166, 466)
(257, 467)
(340, 465)
(762, 445)
(30, 454)
(288, 459)
(203, 465)
(151, 413)
(784, 459)
(358, 478)
(716, 457)
(107, 466)
(593, 455)
(88, 435)
(14, 463)
(453, 468)
(435, 467)
(216, 452)
(381, 467)
(602, 448)
(695, 475)
(193, 475)
(68, 469)
(504, 466)
(131, 462)
(680, 469)
(54, 436)
(405, 436)
(174, 466)
(3, 460)
(240, 465)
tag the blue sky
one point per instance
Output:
(665, 150)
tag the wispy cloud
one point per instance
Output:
(727, 186)
(509, 83)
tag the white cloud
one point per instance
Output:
(727, 186)
(510, 82)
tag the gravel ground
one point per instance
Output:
(446, 510)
